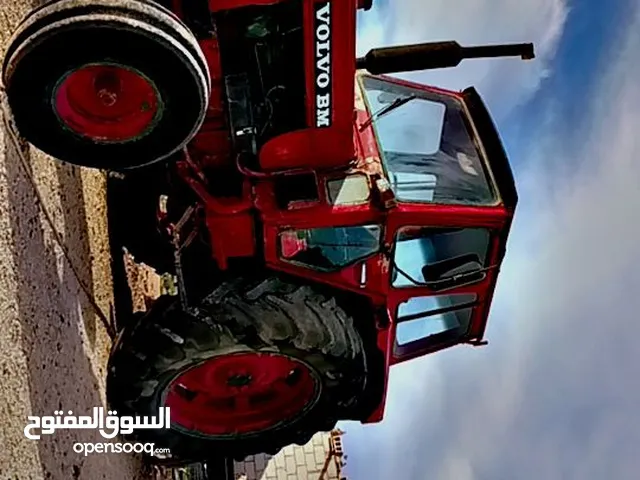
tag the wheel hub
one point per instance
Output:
(241, 393)
(107, 103)
(239, 380)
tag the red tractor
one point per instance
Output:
(323, 222)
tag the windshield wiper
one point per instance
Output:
(398, 102)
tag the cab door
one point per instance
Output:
(438, 280)
(443, 237)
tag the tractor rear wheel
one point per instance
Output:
(110, 84)
(257, 366)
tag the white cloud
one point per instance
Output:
(505, 83)
(556, 393)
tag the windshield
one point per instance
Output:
(427, 149)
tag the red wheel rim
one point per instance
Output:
(241, 393)
(107, 103)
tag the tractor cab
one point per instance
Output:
(454, 200)
(420, 223)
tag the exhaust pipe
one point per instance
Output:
(430, 56)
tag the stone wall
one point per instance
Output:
(56, 295)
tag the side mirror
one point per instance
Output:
(435, 271)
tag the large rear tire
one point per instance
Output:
(109, 84)
(258, 366)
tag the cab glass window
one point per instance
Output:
(427, 256)
(429, 151)
(423, 317)
(331, 248)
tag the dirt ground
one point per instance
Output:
(55, 306)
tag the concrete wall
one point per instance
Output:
(55, 290)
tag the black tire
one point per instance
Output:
(266, 316)
(66, 35)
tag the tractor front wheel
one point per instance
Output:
(257, 366)
(110, 84)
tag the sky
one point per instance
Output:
(556, 393)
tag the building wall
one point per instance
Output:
(295, 462)
(56, 283)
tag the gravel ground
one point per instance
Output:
(55, 299)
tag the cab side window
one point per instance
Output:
(329, 249)
(423, 317)
(419, 247)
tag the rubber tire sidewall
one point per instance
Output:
(39, 71)
(322, 416)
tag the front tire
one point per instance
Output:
(258, 366)
(109, 84)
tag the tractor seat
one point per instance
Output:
(311, 148)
